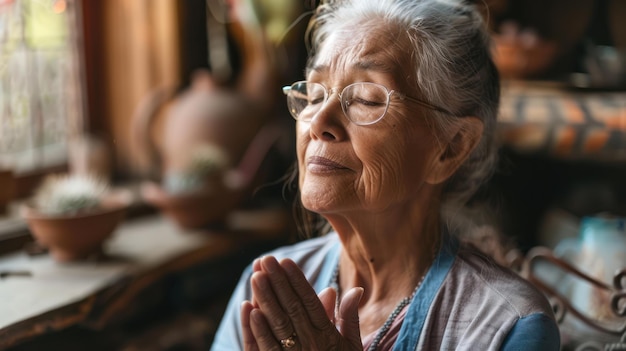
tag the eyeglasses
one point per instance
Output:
(362, 103)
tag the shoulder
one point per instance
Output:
(486, 306)
(478, 272)
(522, 313)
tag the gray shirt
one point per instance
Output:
(466, 302)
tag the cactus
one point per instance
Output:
(69, 194)
(207, 161)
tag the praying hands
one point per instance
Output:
(286, 313)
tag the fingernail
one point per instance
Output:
(357, 292)
(256, 315)
(256, 264)
(259, 280)
(246, 304)
(360, 292)
(270, 264)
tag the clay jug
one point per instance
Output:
(206, 113)
(206, 146)
(175, 128)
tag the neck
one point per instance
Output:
(387, 253)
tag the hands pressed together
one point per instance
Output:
(286, 313)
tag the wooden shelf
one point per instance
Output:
(551, 119)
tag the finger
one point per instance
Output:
(316, 311)
(268, 303)
(328, 297)
(348, 318)
(256, 267)
(262, 333)
(290, 300)
(249, 342)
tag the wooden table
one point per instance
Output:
(46, 296)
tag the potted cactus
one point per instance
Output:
(73, 215)
(207, 163)
(200, 194)
(212, 185)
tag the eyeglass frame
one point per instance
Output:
(327, 93)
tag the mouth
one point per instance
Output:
(318, 164)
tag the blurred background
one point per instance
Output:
(141, 92)
(92, 80)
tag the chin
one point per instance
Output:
(318, 201)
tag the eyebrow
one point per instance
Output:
(368, 65)
(374, 65)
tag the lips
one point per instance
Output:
(322, 164)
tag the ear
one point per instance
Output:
(457, 150)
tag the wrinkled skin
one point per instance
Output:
(377, 185)
(287, 303)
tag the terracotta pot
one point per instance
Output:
(193, 210)
(76, 237)
(220, 195)
(232, 114)
(168, 124)
(515, 60)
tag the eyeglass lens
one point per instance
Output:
(362, 103)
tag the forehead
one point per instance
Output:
(364, 47)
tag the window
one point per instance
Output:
(71, 68)
(41, 102)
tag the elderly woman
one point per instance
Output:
(395, 122)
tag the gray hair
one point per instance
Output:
(452, 64)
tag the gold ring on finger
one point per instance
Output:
(289, 342)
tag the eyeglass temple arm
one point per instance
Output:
(429, 106)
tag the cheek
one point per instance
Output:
(383, 171)
(395, 166)
(302, 141)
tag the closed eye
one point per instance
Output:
(316, 101)
(364, 102)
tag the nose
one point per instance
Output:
(329, 123)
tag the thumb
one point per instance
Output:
(348, 319)
(328, 297)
